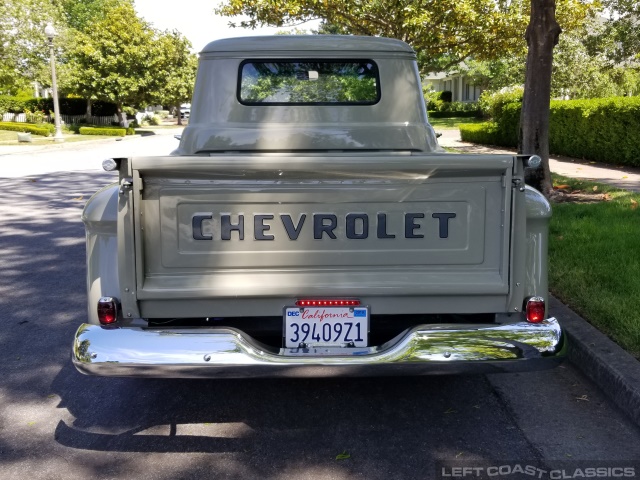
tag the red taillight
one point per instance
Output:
(328, 303)
(535, 310)
(107, 310)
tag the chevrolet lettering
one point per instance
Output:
(309, 224)
(356, 226)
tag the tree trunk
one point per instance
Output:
(121, 115)
(179, 114)
(541, 35)
(88, 112)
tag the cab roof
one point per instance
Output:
(311, 43)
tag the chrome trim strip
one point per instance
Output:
(228, 352)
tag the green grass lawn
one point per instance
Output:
(594, 260)
(451, 123)
(11, 138)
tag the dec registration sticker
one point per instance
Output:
(335, 326)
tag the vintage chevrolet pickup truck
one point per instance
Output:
(309, 224)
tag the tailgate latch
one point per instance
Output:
(518, 183)
(126, 184)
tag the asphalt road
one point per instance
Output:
(58, 424)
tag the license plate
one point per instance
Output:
(326, 326)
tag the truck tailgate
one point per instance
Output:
(285, 226)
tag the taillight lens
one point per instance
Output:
(107, 310)
(340, 302)
(535, 310)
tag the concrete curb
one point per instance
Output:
(609, 366)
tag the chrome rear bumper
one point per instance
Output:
(228, 353)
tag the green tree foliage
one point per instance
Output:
(493, 75)
(176, 70)
(443, 32)
(117, 59)
(579, 70)
(80, 14)
(103, 49)
(620, 40)
(24, 50)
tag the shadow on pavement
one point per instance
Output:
(145, 133)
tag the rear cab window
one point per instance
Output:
(308, 82)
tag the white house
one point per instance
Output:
(461, 87)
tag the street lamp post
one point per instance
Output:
(50, 32)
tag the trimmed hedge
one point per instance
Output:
(68, 106)
(599, 129)
(43, 130)
(486, 133)
(467, 114)
(113, 132)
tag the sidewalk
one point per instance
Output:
(622, 177)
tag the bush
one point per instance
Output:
(446, 96)
(456, 113)
(49, 126)
(103, 109)
(10, 104)
(438, 108)
(441, 102)
(114, 132)
(68, 106)
(131, 131)
(154, 120)
(71, 128)
(492, 103)
(42, 130)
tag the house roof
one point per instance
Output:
(436, 76)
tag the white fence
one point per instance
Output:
(14, 117)
(68, 119)
(92, 120)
